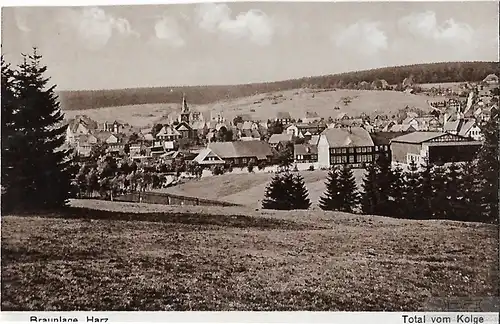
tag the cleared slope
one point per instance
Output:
(341, 263)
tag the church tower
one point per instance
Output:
(184, 110)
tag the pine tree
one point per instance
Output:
(42, 170)
(8, 98)
(300, 194)
(276, 194)
(410, 194)
(425, 192)
(452, 192)
(488, 168)
(398, 190)
(331, 198)
(370, 196)
(469, 207)
(439, 200)
(348, 190)
(285, 192)
(383, 184)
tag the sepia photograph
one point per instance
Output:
(250, 156)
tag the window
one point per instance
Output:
(351, 150)
(369, 149)
(376, 148)
(351, 158)
(344, 150)
(359, 149)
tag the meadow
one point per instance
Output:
(102, 255)
(266, 106)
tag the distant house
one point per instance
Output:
(311, 117)
(185, 130)
(345, 146)
(402, 128)
(465, 128)
(249, 135)
(237, 153)
(305, 153)
(277, 139)
(283, 117)
(168, 133)
(208, 158)
(432, 147)
(382, 143)
(84, 144)
(300, 130)
(80, 125)
(314, 140)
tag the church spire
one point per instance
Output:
(185, 108)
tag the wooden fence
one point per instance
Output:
(169, 199)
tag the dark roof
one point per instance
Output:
(384, 138)
(280, 138)
(303, 149)
(418, 137)
(241, 149)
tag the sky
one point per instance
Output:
(111, 47)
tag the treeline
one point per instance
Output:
(420, 73)
(462, 192)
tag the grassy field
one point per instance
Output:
(185, 260)
(266, 106)
(248, 189)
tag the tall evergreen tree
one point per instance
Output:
(348, 190)
(285, 192)
(469, 206)
(42, 170)
(425, 193)
(410, 194)
(488, 167)
(440, 206)
(300, 194)
(9, 110)
(398, 190)
(383, 183)
(370, 195)
(331, 198)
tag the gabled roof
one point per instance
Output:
(418, 137)
(466, 127)
(200, 158)
(168, 131)
(241, 149)
(182, 126)
(279, 138)
(303, 149)
(354, 136)
(384, 138)
(102, 136)
(402, 128)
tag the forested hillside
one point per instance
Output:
(419, 73)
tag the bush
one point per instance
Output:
(311, 168)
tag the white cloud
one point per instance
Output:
(167, 29)
(253, 25)
(95, 27)
(364, 37)
(425, 25)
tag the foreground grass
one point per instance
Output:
(223, 262)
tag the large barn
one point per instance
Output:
(433, 147)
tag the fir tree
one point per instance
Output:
(397, 192)
(488, 167)
(331, 198)
(383, 184)
(410, 194)
(425, 193)
(439, 201)
(348, 190)
(299, 193)
(275, 195)
(42, 170)
(370, 196)
(286, 192)
(8, 134)
(469, 206)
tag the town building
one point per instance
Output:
(432, 147)
(305, 153)
(283, 117)
(345, 146)
(238, 153)
(280, 139)
(382, 143)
